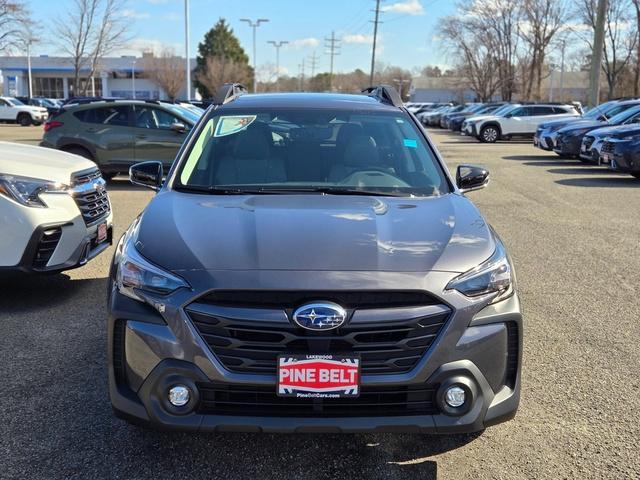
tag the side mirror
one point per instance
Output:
(178, 127)
(471, 177)
(146, 174)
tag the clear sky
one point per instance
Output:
(407, 36)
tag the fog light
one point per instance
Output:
(179, 396)
(455, 397)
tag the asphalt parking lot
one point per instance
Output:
(574, 234)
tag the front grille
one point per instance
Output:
(91, 196)
(388, 340)
(86, 176)
(219, 399)
(588, 141)
(47, 244)
(607, 147)
(549, 141)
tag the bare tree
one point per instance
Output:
(636, 71)
(13, 17)
(541, 22)
(221, 70)
(478, 64)
(91, 30)
(167, 71)
(620, 41)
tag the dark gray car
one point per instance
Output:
(310, 265)
(115, 134)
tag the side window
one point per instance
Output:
(521, 112)
(537, 111)
(165, 119)
(115, 115)
(150, 117)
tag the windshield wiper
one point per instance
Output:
(331, 191)
(218, 190)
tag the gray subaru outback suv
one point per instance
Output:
(309, 265)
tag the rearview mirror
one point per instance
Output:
(471, 177)
(178, 127)
(146, 174)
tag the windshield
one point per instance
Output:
(311, 150)
(14, 101)
(501, 112)
(624, 115)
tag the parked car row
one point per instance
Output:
(608, 134)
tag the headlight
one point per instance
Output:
(495, 275)
(136, 275)
(26, 191)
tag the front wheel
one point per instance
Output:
(489, 134)
(24, 119)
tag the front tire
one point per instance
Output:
(24, 119)
(489, 134)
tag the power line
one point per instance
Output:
(375, 37)
(301, 67)
(333, 44)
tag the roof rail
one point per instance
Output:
(385, 94)
(229, 92)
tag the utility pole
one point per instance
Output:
(187, 53)
(29, 67)
(314, 64)
(278, 45)
(301, 67)
(333, 44)
(596, 56)
(564, 44)
(133, 77)
(375, 37)
(254, 26)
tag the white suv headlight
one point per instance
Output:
(136, 275)
(26, 191)
(494, 275)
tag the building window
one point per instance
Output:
(48, 87)
(85, 88)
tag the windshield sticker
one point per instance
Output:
(410, 143)
(231, 124)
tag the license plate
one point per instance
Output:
(318, 376)
(102, 233)
(605, 158)
(583, 148)
(535, 141)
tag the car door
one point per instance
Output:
(108, 130)
(516, 122)
(6, 111)
(155, 135)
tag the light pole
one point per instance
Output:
(254, 26)
(278, 45)
(133, 77)
(29, 67)
(186, 43)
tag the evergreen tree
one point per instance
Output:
(220, 47)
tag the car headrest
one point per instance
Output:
(254, 142)
(347, 132)
(361, 151)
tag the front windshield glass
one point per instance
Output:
(311, 150)
(501, 112)
(14, 101)
(595, 112)
(624, 115)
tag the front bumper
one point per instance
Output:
(150, 351)
(52, 239)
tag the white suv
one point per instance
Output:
(13, 110)
(519, 121)
(55, 213)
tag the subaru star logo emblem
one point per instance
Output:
(320, 316)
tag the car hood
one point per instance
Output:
(618, 131)
(557, 124)
(575, 126)
(38, 162)
(482, 117)
(31, 108)
(181, 231)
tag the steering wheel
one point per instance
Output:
(359, 178)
